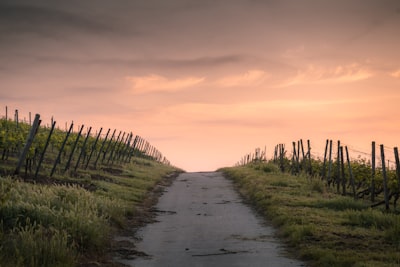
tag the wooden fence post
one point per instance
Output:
(118, 148)
(303, 162)
(108, 146)
(16, 118)
(101, 149)
(125, 152)
(93, 148)
(73, 148)
(83, 148)
(298, 167)
(351, 173)
(132, 149)
(61, 150)
(298, 154)
(294, 159)
(338, 168)
(113, 147)
(146, 149)
(28, 143)
(330, 163)
(53, 125)
(281, 157)
(343, 176)
(373, 173)
(140, 145)
(323, 172)
(309, 156)
(385, 186)
(396, 155)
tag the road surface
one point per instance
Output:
(201, 221)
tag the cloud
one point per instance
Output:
(249, 78)
(395, 74)
(28, 18)
(157, 83)
(339, 74)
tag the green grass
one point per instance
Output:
(56, 224)
(323, 228)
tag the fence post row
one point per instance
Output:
(120, 150)
(339, 178)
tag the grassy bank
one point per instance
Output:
(319, 226)
(69, 220)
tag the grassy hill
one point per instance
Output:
(69, 219)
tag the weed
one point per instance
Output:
(341, 204)
(371, 218)
(280, 183)
(317, 185)
(392, 233)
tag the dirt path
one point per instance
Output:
(201, 221)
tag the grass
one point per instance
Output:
(59, 222)
(319, 226)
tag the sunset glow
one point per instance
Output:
(208, 81)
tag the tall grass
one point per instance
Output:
(44, 219)
(54, 225)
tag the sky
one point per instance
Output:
(207, 82)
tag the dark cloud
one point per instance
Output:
(179, 63)
(44, 21)
(28, 62)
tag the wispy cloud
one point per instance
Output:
(249, 78)
(156, 83)
(339, 74)
(395, 74)
(159, 83)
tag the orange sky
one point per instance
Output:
(208, 81)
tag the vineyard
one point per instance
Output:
(64, 193)
(360, 177)
(335, 208)
(48, 151)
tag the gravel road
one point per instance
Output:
(201, 221)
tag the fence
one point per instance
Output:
(360, 177)
(47, 150)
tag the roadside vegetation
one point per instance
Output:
(320, 226)
(66, 216)
(66, 222)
